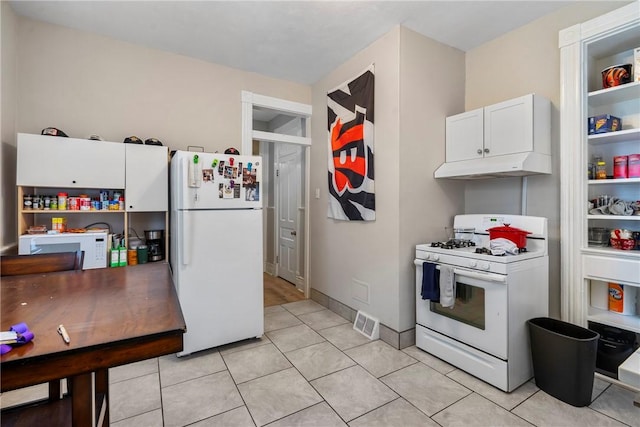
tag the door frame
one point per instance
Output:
(251, 100)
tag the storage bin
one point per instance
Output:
(564, 359)
(614, 347)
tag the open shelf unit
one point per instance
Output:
(585, 50)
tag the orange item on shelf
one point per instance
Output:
(622, 299)
(616, 297)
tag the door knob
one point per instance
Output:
(293, 233)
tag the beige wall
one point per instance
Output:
(366, 251)
(8, 40)
(87, 84)
(431, 76)
(526, 60)
(84, 83)
(418, 82)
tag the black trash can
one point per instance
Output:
(564, 359)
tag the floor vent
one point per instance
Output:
(367, 325)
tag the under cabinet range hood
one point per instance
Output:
(517, 164)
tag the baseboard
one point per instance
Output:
(270, 268)
(395, 339)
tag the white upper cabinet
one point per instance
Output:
(53, 161)
(146, 178)
(515, 126)
(511, 126)
(511, 138)
(465, 139)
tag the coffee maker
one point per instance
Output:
(155, 243)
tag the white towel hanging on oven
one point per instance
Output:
(447, 287)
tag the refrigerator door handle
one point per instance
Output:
(184, 225)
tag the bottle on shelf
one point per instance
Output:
(122, 256)
(62, 201)
(601, 169)
(114, 260)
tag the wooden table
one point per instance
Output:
(114, 316)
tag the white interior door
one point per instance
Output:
(289, 178)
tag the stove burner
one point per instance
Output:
(453, 244)
(487, 251)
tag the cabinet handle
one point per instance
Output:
(486, 150)
(479, 150)
(74, 181)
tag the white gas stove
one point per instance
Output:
(467, 256)
(484, 333)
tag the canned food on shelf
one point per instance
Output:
(62, 201)
(84, 203)
(74, 204)
(36, 202)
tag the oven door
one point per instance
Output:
(479, 315)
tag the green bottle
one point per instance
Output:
(123, 256)
(114, 260)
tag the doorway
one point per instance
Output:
(276, 130)
(289, 210)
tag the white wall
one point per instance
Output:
(8, 39)
(523, 61)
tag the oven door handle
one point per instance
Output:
(472, 274)
(480, 276)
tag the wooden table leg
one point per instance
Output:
(82, 400)
(102, 389)
(54, 390)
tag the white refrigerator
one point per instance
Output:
(216, 247)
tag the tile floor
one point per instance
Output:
(311, 369)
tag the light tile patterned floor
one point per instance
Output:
(312, 369)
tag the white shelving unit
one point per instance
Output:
(47, 165)
(585, 50)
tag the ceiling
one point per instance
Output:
(299, 41)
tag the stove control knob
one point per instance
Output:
(473, 263)
(484, 266)
(436, 257)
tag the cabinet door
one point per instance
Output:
(146, 178)
(464, 136)
(52, 161)
(508, 127)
